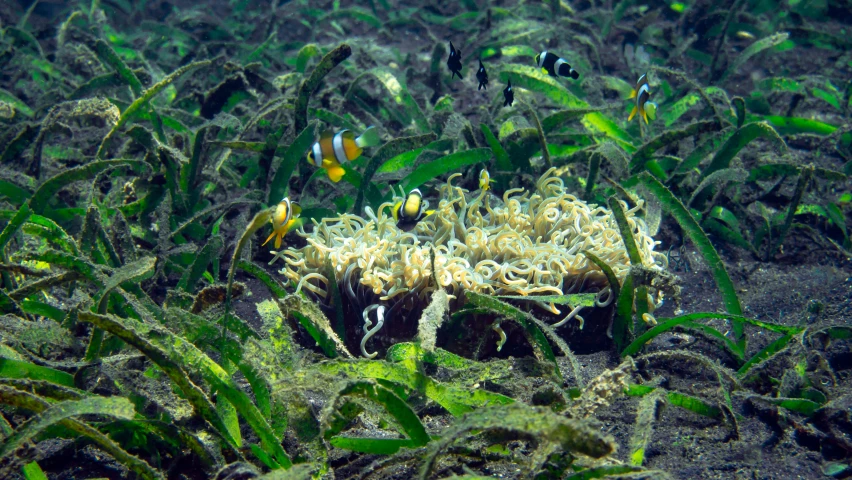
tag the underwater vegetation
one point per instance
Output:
(300, 239)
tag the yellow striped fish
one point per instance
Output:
(642, 92)
(283, 220)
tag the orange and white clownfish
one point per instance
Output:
(555, 66)
(283, 220)
(411, 210)
(642, 92)
(331, 150)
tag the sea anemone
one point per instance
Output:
(525, 244)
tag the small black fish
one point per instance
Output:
(508, 95)
(482, 76)
(454, 62)
(555, 66)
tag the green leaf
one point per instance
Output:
(752, 50)
(740, 139)
(693, 404)
(500, 154)
(317, 325)
(211, 250)
(690, 226)
(14, 224)
(767, 352)
(305, 54)
(444, 165)
(174, 355)
(585, 299)
(32, 471)
(398, 409)
(457, 400)
(136, 334)
(622, 325)
(556, 120)
(19, 105)
(354, 13)
(398, 92)
(280, 183)
(792, 125)
(798, 405)
(118, 407)
(828, 97)
(673, 112)
(273, 284)
(48, 189)
(669, 323)
(801, 186)
(625, 231)
(668, 137)
(534, 334)
(108, 56)
(533, 79)
(551, 431)
(611, 471)
(29, 401)
(310, 85)
(781, 84)
(144, 99)
(374, 446)
(403, 160)
(10, 368)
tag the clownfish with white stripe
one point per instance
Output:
(332, 150)
(555, 66)
(283, 220)
(411, 210)
(484, 180)
(642, 92)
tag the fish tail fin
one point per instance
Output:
(369, 138)
(335, 173)
(633, 113)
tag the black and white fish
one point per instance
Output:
(555, 66)
(508, 95)
(411, 210)
(482, 76)
(642, 93)
(454, 62)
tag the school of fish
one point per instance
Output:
(333, 150)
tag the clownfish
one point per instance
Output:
(454, 62)
(332, 150)
(484, 180)
(555, 66)
(508, 95)
(482, 76)
(283, 220)
(411, 210)
(642, 93)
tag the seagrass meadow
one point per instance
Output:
(527, 269)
